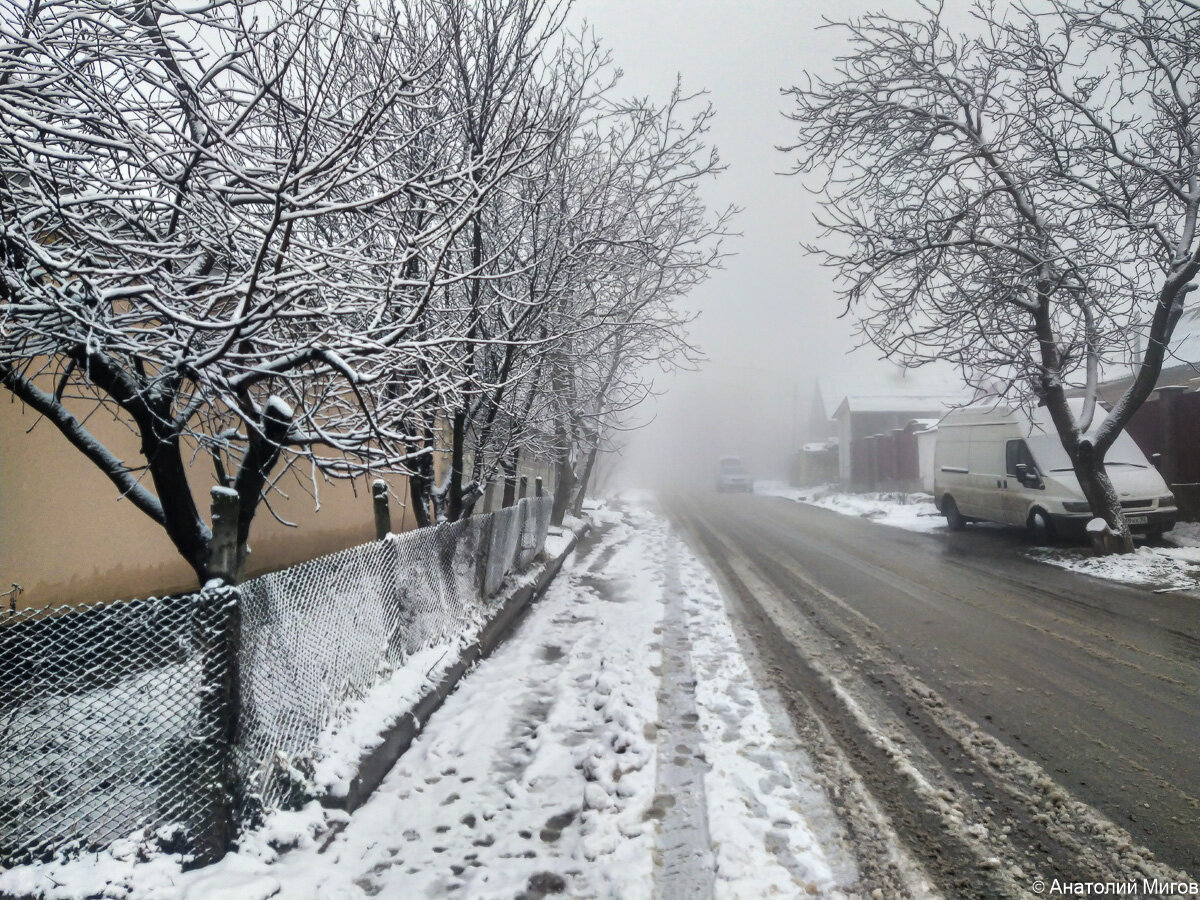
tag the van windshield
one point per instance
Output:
(1051, 457)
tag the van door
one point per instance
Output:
(1016, 497)
(987, 474)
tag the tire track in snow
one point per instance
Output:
(983, 819)
(683, 855)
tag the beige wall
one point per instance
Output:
(67, 536)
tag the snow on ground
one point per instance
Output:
(1185, 534)
(1167, 568)
(360, 728)
(1175, 566)
(763, 846)
(912, 512)
(550, 769)
(81, 777)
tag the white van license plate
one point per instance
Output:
(1137, 520)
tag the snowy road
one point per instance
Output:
(868, 713)
(1012, 720)
(615, 746)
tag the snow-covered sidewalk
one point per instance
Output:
(615, 746)
(1173, 566)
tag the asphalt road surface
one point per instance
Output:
(1008, 720)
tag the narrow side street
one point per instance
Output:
(642, 735)
(615, 746)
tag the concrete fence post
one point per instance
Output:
(383, 514)
(526, 545)
(489, 496)
(223, 550)
(537, 487)
(219, 627)
(523, 491)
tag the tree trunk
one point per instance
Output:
(470, 497)
(458, 451)
(1086, 458)
(1101, 494)
(184, 526)
(262, 454)
(509, 467)
(564, 486)
(584, 479)
(1087, 461)
(1089, 469)
(420, 483)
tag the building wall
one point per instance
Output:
(926, 448)
(1168, 425)
(879, 452)
(67, 536)
(845, 449)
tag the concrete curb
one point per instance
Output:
(377, 762)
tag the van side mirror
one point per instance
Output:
(1028, 478)
(1156, 460)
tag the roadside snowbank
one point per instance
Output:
(1175, 566)
(1166, 568)
(912, 512)
(758, 794)
(360, 728)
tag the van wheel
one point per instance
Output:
(1041, 527)
(954, 519)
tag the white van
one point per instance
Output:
(998, 464)
(732, 475)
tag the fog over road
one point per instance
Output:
(1003, 714)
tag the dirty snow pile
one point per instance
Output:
(912, 512)
(1167, 568)
(554, 768)
(1173, 565)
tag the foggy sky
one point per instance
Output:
(769, 322)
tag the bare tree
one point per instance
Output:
(196, 239)
(599, 225)
(503, 91)
(658, 242)
(282, 237)
(1016, 201)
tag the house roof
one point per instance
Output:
(1185, 374)
(901, 390)
(916, 406)
(1181, 367)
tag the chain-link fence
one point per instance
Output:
(116, 718)
(113, 718)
